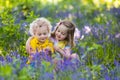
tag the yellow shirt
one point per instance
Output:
(62, 44)
(37, 45)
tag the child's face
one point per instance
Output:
(42, 33)
(61, 32)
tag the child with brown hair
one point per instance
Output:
(63, 38)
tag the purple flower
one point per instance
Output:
(9, 59)
(116, 63)
(87, 29)
(107, 77)
(76, 34)
(1, 58)
(49, 76)
(2, 78)
(15, 54)
(76, 76)
(117, 35)
(24, 24)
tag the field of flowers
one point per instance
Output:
(97, 39)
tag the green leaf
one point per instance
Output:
(6, 70)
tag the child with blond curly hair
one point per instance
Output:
(39, 41)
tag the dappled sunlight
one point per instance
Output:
(46, 2)
(97, 40)
(98, 3)
(116, 3)
(6, 3)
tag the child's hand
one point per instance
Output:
(56, 48)
(67, 53)
(59, 50)
(28, 47)
(47, 50)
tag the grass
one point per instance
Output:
(97, 45)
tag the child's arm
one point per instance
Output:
(64, 53)
(28, 47)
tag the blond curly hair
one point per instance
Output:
(39, 22)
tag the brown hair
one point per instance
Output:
(71, 29)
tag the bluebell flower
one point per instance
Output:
(1, 58)
(107, 77)
(49, 76)
(76, 76)
(116, 63)
(9, 59)
(2, 78)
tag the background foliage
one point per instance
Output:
(96, 48)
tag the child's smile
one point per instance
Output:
(42, 33)
(61, 32)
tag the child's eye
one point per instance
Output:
(44, 33)
(63, 34)
(39, 34)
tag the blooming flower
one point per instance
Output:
(76, 34)
(117, 35)
(87, 29)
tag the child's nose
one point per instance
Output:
(59, 34)
(42, 36)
